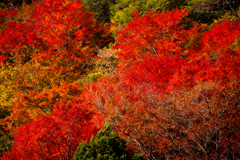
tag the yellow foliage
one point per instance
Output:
(228, 15)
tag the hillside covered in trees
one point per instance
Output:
(119, 79)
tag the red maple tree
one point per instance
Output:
(56, 135)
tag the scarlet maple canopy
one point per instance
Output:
(52, 47)
(54, 135)
(172, 101)
(175, 93)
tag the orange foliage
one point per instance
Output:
(50, 48)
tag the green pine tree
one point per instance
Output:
(105, 146)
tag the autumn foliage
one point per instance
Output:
(173, 101)
(44, 54)
(54, 136)
(52, 47)
(168, 85)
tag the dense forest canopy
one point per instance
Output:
(119, 79)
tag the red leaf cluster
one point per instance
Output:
(53, 136)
